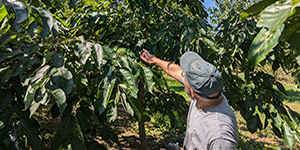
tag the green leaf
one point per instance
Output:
(47, 22)
(40, 73)
(253, 123)
(57, 60)
(126, 105)
(288, 135)
(274, 15)
(5, 74)
(63, 78)
(73, 3)
(33, 107)
(272, 20)
(83, 51)
(54, 110)
(29, 97)
(277, 121)
(127, 75)
(56, 141)
(47, 2)
(77, 144)
(3, 11)
(83, 114)
(109, 52)
(5, 99)
(31, 133)
(112, 113)
(262, 45)
(257, 8)
(147, 78)
(21, 9)
(9, 55)
(281, 87)
(276, 131)
(5, 26)
(104, 92)
(67, 123)
(59, 96)
(6, 38)
(136, 105)
(97, 54)
(35, 3)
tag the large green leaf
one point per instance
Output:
(104, 92)
(126, 105)
(32, 134)
(3, 11)
(274, 15)
(109, 52)
(63, 78)
(59, 96)
(288, 135)
(97, 53)
(262, 45)
(29, 96)
(257, 8)
(136, 105)
(58, 60)
(47, 22)
(5, 99)
(67, 123)
(84, 114)
(83, 50)
(147, 78)
(77, 144)
(21, 13)
(5, 74)
(112, 112)
(253, 123)
(39, 76)
(272, 23)
(9, 55)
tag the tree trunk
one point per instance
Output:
(142, 131)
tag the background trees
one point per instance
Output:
(81, 59)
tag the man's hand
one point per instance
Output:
(147, 57)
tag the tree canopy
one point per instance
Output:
(81, 59)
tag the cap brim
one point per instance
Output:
(187, 57)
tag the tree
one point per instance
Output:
(264, 34)
(226, 8)
(80, 59)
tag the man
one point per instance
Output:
(211, 123)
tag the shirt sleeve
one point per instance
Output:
(183, 80)
(223, 144)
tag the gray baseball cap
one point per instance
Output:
(203, 77)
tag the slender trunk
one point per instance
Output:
(142, 131)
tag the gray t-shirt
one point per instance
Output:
(213, 129)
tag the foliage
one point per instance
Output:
(250, 41)
(80, 59)
(226, 8)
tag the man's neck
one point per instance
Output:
(205, 104)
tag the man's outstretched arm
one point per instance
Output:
(173, 70)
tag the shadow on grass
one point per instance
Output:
(293, 95)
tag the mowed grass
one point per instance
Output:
(264, 139)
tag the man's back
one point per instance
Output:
(215, 128)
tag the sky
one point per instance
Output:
(208, 3)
